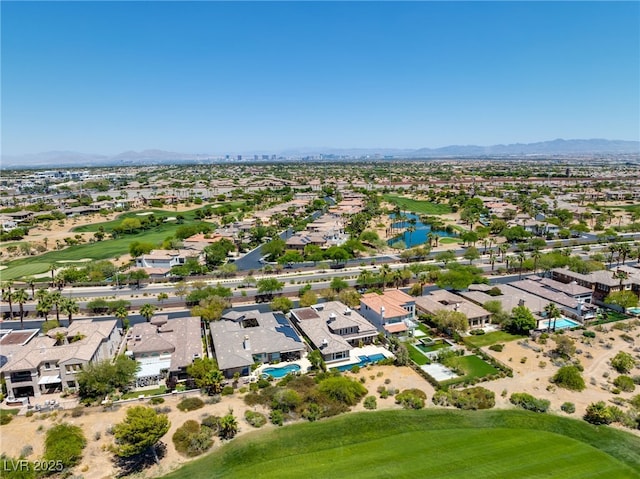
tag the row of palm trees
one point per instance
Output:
(45, 302)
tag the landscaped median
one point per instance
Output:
(427, 443)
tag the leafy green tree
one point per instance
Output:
(269, 285)
(98, 379)
(309, 298)
(451, 321)
(274, 248)
(446, 257)
(147, 310)
(471, 254)
(140, 432)
(522, 320)
(216, 253)
(624, 299)
(139, 248)
(569, 377)
(565, 346)
(138, 275)
(350, 297)
(338, 284)
(211, 308)
(282, 304)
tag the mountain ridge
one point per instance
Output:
(557, 147)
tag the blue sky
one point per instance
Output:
(216, 77)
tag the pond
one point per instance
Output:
(420, 235)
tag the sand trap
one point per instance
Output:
(83, 260)
(145, 213)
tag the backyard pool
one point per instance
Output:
(364, 360)
(635, 311)
(561, 323)
(280, 372)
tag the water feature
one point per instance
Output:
(281, 371)
(420, 235)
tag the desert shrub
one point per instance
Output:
(623, 362)
(497, 347)
(212, 422)
(286, 400)
(156, 400)
(411, 399)
(589, 334)
(635, 401)
(473, 398)
(277, 417)
(227, 390)
(77, 411)
(312, 412)
(370, 402)
(342, 389)
(441, 398)
(598, 413)
(569, 377)
(26, 451)
(568, 407)
(624, 383)
(263, 383)
(190, 404)
(355, 369)
(64, 442)
(191, 439)
(529, 402)
(256, 419)
(477, 332)
(5, 419)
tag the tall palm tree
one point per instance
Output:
(504, 247)
(7, 295)
(56, 300)
(69, 306)
(21, 296)
(147, 310)
(624, 250)
(553, 313)
(31, 282)
(44, 303)
(620, 275)
(121, 313)
(521, 258)
(535, 255)
(492, 259)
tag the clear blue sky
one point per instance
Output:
(214, 77)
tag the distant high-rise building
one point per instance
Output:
(265, 157)
(239, 157)
(255, 157)
(273, 157)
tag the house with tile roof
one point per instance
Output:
(333, 328)
(392, 312)
(164, 348)
(243, 338)
(445, 300)
(49, 363)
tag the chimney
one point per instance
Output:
(245, 343)
(456, 306)
(332, 317)
(325, 343)
(347, 311)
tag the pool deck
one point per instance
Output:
(355, 353)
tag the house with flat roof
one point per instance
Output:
(509, 298)
(571, 307)
(445, 300)
(243, 338)
(333, 328)
(392, 312)
(600, 282)
(49, 363)
(164, 348)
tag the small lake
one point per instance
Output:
(420, 235)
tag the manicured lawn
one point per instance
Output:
(491, 338)
(105, 249)
(428, 443)
(449, 240)
(146, 392)
(416, 206)
(476, 367)
(416, 356)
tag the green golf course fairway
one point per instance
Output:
(433, 443)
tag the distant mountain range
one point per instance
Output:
(559, 147)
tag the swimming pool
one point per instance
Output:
(635, 311)
(560, 323)
(280, 372)
(364, 360)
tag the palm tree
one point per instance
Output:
(492, 259)
(44, 303)
(228, 426)
(31, 282)
(553, 313)
(56, 300)
(624, 250)
(535, 255)
(69, 306)
(121, 313)
(147, 310)
(21, 296)
(162, 297)
(385, 274)
(504, 247)
(620, 275)
(521, 258)
(7, 295)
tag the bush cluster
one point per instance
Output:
(411, 399)
(64, 442)
(256, 419)
(190, 404)
(569, 377)
(191, 439)
(624, 383)
(529, 402)
(497, 347)
(568, 407)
